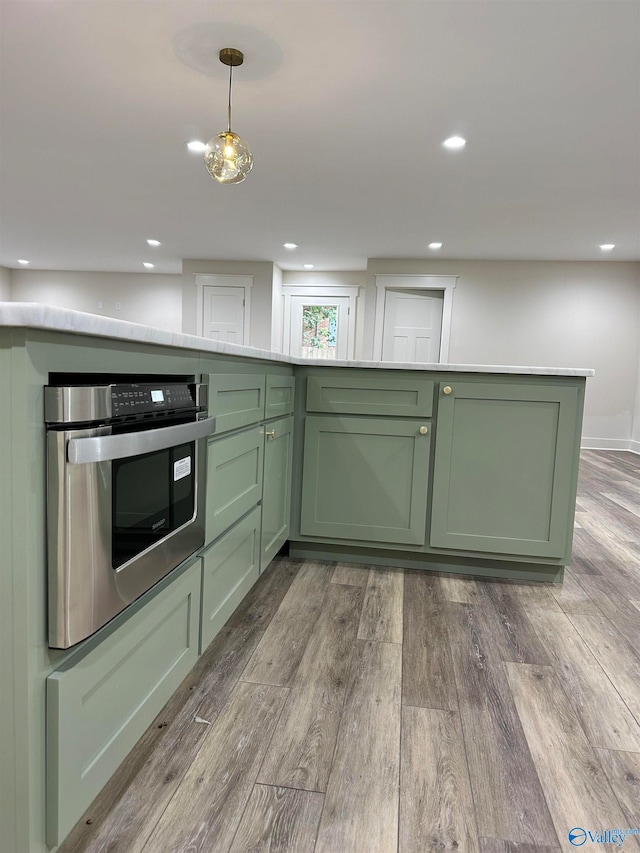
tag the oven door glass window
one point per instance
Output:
(153, 495)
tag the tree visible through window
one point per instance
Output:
(319, 326)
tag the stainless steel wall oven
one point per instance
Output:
(125, 494)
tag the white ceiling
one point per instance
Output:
(345, 105)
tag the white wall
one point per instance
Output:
(635, 433)
(276, 310)
(148, 298)
(261, 294)
(5, 284)
(551, 314)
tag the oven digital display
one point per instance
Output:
(157, 397)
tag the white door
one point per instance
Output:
(412, 325)
(223, 314)
(319, 327)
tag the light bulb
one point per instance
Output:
(454, 143)
(228, 158)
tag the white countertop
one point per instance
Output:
(35, 315)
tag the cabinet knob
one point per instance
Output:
(424, 430)
(447, 389)
(271, 433)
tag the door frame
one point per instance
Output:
(445, 283)
(242, 282)
(318, 292)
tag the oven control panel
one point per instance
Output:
(132, 399)
(84, 404)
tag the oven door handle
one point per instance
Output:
(102, 448)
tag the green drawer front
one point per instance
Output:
(236, 399)
(229, 570)
(381, 395)
(504, 465)
(99, 706)
(365, 480)
(279, 396)
(234, 479)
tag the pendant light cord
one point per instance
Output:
(229, 107)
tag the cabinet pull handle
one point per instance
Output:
(447, 389)
(424, 430)
(271, 433)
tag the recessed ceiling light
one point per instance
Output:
(290, 245)
(607, 247)
(22, 261)
(148, 265)
(308, 266)
(454, 142)
(196, 146)
(154, 242)
(435, 245)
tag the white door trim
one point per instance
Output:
(245, 282)
(318, 291)
(446, 283)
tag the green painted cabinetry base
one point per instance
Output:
(501, 484)
(363, 489)
(236, 400)
(234, 478)
(383, 556)
(365, 479)
(504, 469)
(370, 392)
(101, 701)
(279, 396)
(230, 567)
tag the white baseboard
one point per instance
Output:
(610, 444)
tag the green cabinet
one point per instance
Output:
(230, 567)
(505, 468)
(365, 479)
(279, 396)
(371, 392)
(276, 501)
(102, 699)
(248, 489)
(236, 399)
(234, 478)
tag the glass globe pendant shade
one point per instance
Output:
(228, 158)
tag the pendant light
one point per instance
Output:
(227, 156)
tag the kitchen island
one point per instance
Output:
(464, 468)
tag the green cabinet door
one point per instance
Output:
(276, 501)
(234, 479)
(365, 479)
(505, 465)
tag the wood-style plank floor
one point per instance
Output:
(353, 709)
